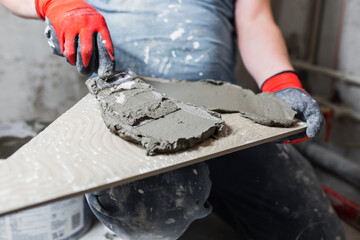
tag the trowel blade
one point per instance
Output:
(117, 78)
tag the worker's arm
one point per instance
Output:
(265, 56)
(21, 8)
(260, 41)
(75, 30)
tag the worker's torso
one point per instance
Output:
(188, 39)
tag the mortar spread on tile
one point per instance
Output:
(263, 108)
(135, 111)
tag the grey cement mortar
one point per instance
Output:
(135, 111)
(263, 108)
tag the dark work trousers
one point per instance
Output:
(264, 192)
(270, 192)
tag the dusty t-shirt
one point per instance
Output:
(186, 39)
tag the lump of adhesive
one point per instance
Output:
(263, 108)
(135, 111)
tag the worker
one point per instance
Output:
(265, 192)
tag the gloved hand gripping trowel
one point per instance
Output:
(79, 32)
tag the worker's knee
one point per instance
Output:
(158, 207)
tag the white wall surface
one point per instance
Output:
(349, 57)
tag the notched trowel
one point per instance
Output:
(136, 112)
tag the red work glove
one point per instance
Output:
(79, 32)
(287, 86)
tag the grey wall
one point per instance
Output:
(34, 84)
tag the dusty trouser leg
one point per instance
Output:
(158, 207)
(270, 192)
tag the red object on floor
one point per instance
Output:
(296, 141)
(346, 209)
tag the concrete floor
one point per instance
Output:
(209, 228)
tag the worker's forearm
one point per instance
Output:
(261, 44)
(21, 8)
